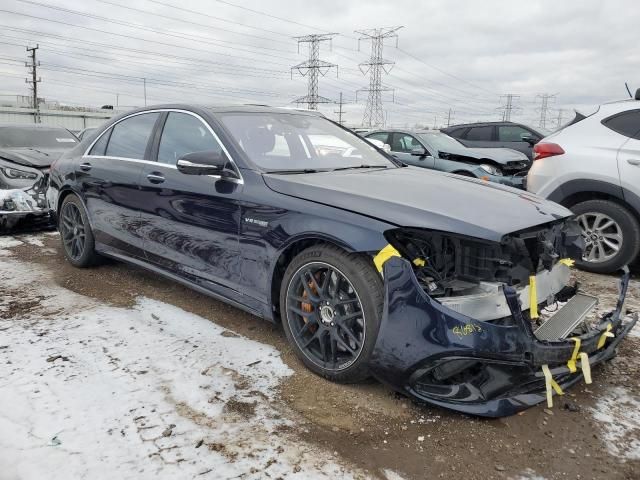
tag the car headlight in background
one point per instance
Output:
(491, 169)
(15, 174)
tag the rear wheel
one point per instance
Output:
(611, 234)
(331, 303)
(75, 233)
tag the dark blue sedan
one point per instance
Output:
(423, 279)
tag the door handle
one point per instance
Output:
(85, 167)
(634, 161)
(155, 178)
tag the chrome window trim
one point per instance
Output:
(238, 180)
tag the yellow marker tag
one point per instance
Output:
(571, 364)
(533, 297)
(419, 262)
(383, 255)
(567, 261)
(607, 334)
(550, 383)
(586, 367)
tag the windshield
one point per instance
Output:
(294, 142)
(441, 142)
(25, 137)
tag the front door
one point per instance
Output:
(511, 136)
(190, 223)
(109, 177)
(402, 147)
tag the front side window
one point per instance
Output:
(404, 143)
(183, 134)
(295, 142)
(480, 134)
(129, 138)
(512, 133)
(627, 124)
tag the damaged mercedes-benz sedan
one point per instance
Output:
(26, 154)
(452, 290)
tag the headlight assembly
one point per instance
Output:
(491, 169)
(15, 174)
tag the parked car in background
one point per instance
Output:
(419, 278)
(592, 166)
(498, 134)
(83, 133)
(438, 151)
(26, 153)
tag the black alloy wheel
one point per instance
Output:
(72, 229)
(330, 317)
(75, 233)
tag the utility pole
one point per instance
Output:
(449, 118)
(340, 110)
(34, 81)
(313, 68)
(435, 120)
(375, 66)
(509, 106)
(144, 81)
(544, 108)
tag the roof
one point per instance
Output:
(31, 126)
(226, 108)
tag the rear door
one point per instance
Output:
(190, 223)
(628, 125)
(510, 136)
(109, 176)
(402, 144)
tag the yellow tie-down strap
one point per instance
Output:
(606, 334)
(585, 366)
(567, 261)
(550, 383)
(389, 251)
(533, 297)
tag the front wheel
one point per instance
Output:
(75, 232)
(331, 305)
(611, 234)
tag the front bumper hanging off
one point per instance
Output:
(437, 355)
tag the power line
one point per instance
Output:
(544, 108)
(375, 66)
(313, 67)
(509, 107)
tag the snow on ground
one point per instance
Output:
(8, 242)
(619, 415)
(92, 391)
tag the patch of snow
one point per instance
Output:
(8, 242)
(392, 475)
(152, 392)
(33, 240)
(528, 474)
(618, 414)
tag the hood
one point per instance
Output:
(416, 197)
(498, 155)
(31, 156)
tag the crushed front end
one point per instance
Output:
(490, 328)
(25, 206)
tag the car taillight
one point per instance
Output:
(544, 150)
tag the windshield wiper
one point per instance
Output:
(295, 171)
(353, 167)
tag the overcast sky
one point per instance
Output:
(461, 55)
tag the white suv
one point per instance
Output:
(592, 166)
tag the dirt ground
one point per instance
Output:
(372, 428)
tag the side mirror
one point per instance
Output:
(418, 151)
(530, 139)
(202, 163)
(430, 158)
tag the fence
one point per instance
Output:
(57, 118)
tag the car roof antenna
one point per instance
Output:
(628, 91)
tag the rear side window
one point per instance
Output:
(456, 132)
(129, 137)
(627, 124)
(480, 133)
(101, 145)
(382, 136)
(183, 134)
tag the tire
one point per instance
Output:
(333, 307)
(600, 213)
(78, 243)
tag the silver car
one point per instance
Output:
(438, 151)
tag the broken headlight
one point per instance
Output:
(16, 174)
(493, 170)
